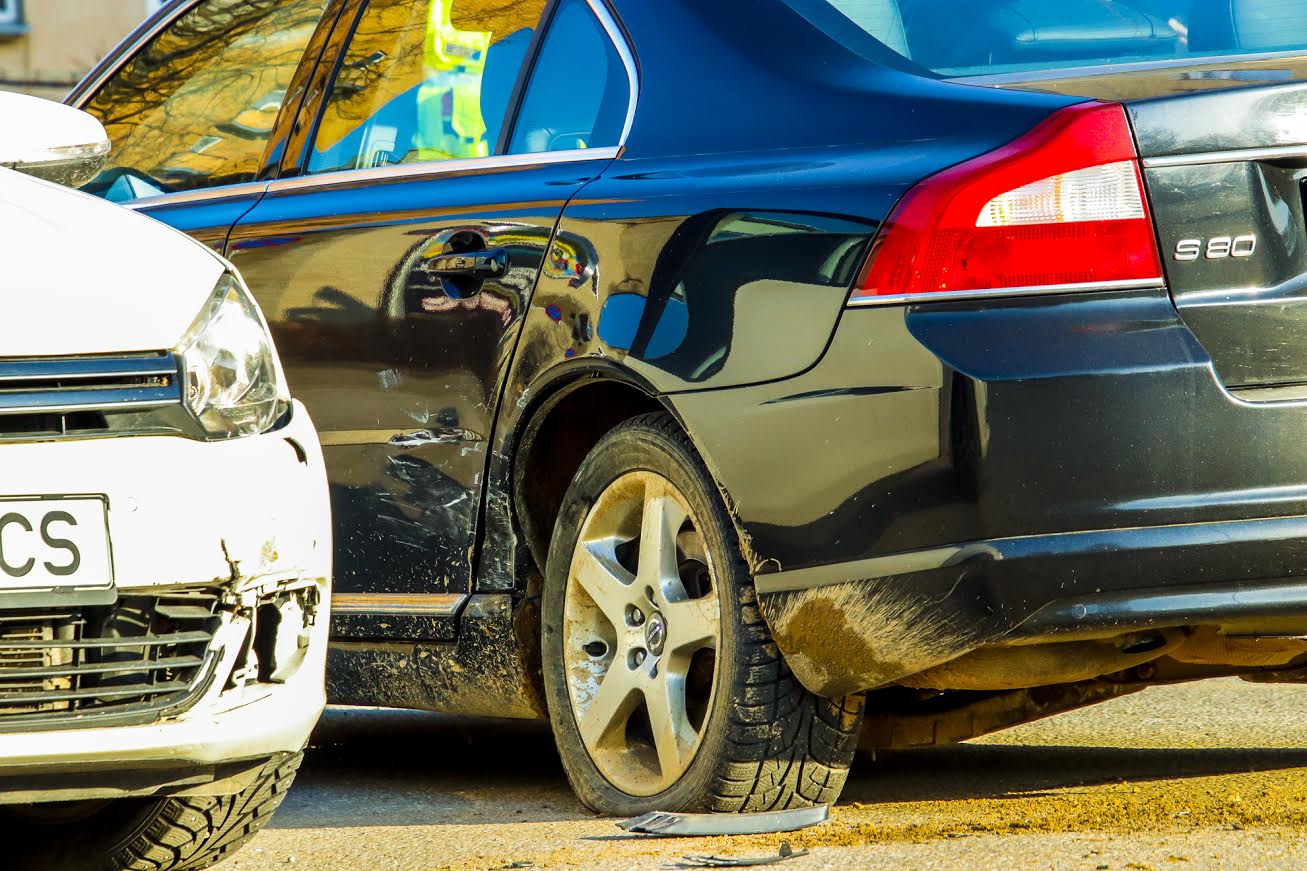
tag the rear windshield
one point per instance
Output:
(986, 37)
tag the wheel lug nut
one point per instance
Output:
(637, 658)
(634, 616)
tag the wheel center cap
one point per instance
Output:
(655, 633)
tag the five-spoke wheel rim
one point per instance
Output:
(641, 628)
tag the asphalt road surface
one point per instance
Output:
(1206, 775)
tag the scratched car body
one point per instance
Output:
(732, 382)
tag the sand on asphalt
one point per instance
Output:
(1202, 775)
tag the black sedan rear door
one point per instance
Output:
(395, 258)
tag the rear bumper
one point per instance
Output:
(950, 476)
(854, 626)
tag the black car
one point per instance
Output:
(733, 382)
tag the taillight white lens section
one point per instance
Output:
(1063, 206)
(1098, 193)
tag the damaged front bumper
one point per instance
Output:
(207, 656)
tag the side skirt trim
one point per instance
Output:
(429, 605)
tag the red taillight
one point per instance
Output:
(1062, 205)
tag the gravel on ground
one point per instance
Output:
(1202, 775)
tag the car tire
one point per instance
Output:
(757, 739)
(170, 834)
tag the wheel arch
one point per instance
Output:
(574, 410)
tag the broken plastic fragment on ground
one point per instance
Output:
(672, 824)
(785, 852)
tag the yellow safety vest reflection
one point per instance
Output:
(450, 124)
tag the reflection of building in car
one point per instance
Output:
(449, 99)
(424, 81)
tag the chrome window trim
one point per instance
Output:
(1090, 70)
(605, 16)
(1000, 292)
(128, 48)
(439, 167)
(1233, 155)
(198, 195)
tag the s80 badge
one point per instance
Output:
(1216, 248)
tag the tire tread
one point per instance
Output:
(785, 747)
(196, 832)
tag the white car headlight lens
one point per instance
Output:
(230, 373)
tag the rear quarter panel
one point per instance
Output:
(719, 249)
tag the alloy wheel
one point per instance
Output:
(642, 626)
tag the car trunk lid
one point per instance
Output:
(1224, 151)
(1224, 170)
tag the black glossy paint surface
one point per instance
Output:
(1248, 311)
(939, 425)
(402, 367)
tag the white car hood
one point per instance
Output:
(79, 275)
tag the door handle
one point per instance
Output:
(476, 265)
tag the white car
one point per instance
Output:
(165, 544)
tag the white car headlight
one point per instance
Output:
(231, 375)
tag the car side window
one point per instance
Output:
(579, 91)
(195, 108)
(424, 80)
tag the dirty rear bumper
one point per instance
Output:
(949, 476)
(856, 626)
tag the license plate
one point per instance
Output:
(54, 543)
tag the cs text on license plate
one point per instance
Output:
(54, 542)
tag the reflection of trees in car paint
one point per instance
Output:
(196, 107)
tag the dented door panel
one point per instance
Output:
(400, 367)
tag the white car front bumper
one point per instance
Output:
(247, 520)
